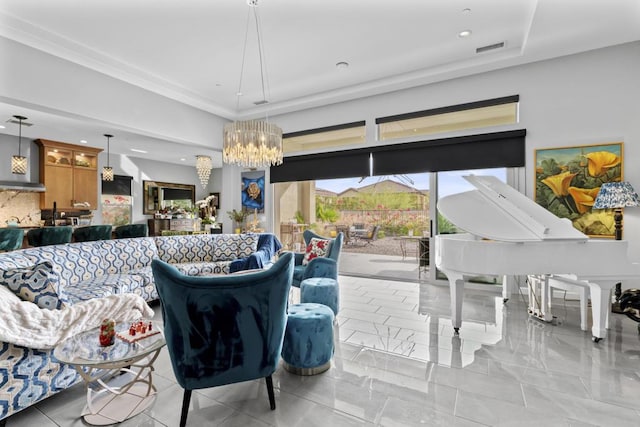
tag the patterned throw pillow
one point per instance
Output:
(37, 284)
(315, 248)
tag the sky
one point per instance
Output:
(449, 182)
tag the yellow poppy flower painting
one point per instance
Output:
(568, 180)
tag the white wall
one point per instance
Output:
(581, 99)
(36, 79)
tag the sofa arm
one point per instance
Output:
(321, 267)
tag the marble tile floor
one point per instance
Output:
(397, 363)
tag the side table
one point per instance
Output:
(113, 398)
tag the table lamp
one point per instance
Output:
(616, 195)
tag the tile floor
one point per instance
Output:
(397, 363)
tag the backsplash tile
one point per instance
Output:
(23, 205)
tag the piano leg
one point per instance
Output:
(600, 302)
(506, 288)
(456, 290)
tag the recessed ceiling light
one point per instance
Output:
(138, 151)
(464, 33)
(183, 159)
(466, 10)
(1, 127)
(342, 65)
(83, 141)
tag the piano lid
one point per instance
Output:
(499, 212)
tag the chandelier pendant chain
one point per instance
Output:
(253, 143)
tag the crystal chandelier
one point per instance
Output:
(252, 143)
(19, 162)
(203, 166)
(107, 171)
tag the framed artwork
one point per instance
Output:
(568, 179)
(253, 191)
(116, 209)
(217, 200)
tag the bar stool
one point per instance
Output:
(46, 236)
(131, 230)
(91, 233)
(11, 239)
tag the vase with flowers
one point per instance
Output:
(207, 208)
(238, 218)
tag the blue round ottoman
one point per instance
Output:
(308, 339)
(321, 290)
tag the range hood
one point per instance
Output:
(34, 187)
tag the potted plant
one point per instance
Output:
(207, 222)
(238, 218)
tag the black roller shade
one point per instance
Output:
(340, 164)
(121, 185)
(483, 151)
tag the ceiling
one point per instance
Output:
(191, 50)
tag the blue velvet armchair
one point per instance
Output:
(224, 329)
(320, 266)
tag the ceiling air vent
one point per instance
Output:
(490, 47)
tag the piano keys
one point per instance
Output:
(509, 234)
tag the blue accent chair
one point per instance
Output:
(46, 236)
(92, 233)
(131, 230)
(320, 266)
(11, 239)
(224, 329)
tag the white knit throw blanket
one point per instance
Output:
(25, 324)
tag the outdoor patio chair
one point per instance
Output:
(371, 236)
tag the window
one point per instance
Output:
(473, 115)
(327, 137)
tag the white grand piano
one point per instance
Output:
(509, 234)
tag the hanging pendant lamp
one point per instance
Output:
(19, 162)
(203, 167)
(107, 171)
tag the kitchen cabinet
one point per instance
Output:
(70, 174)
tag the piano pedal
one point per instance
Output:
(541, 317)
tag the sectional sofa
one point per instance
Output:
(82, 273)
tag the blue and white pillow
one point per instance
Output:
(37, 284)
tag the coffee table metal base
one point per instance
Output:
(115, 392)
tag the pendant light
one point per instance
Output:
(19, 162)
(203, 167)
(253, 143)
(107, 171)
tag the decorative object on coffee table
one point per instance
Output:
(107, 332)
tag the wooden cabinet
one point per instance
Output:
(70, 174)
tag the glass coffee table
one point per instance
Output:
(117, 377)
